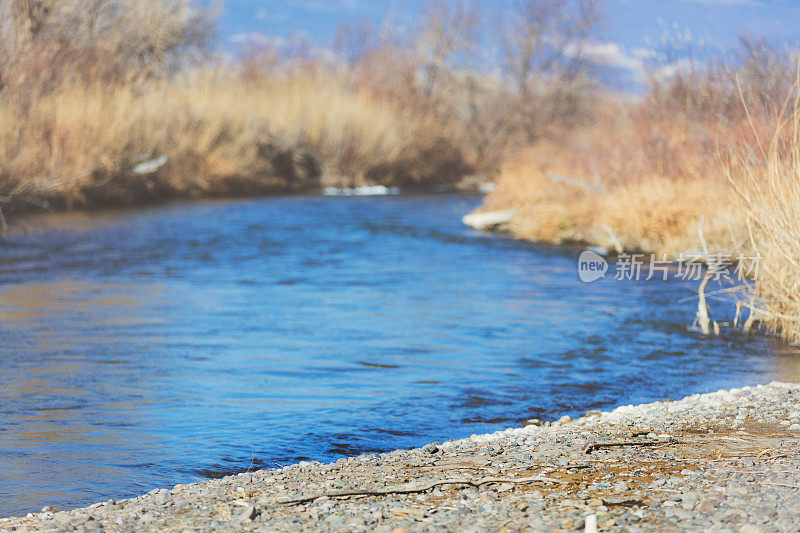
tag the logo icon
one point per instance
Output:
(591, 266)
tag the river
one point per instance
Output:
(156, 346)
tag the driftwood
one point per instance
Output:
(577, 183)
(751, 319)
(617, 443)
(703, 319)
(488, 219)
(784, 485)
(414, 488)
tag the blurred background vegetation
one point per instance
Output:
(120, 102)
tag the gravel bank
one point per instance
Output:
(725, 461)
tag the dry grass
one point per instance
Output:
(222, 135)
(768, 181)
(45, 43)
(89, 89)
(676, 158)
(661, 180)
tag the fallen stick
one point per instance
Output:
(410, 489)
(613, 444)
(721, 457)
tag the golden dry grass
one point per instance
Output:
(219, 132)
(663, 178)
(767, 179)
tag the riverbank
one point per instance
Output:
(726, 461)
(211, 134)
(716, 202)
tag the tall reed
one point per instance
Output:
(767, 178)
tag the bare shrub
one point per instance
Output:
(737, 94)
(48, 42)
(441, 74)
(543, 60)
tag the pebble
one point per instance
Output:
(163, 497)
(249, 513)
(431, 448)
(689, 500)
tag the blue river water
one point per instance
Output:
(157, 346)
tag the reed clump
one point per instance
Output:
(94, 93)
(767, 180)
(76, 146)
(660, 182)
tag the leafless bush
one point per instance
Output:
(353, 42)
(543, 60)
(757, 78)
(447, 70)
(447, 40)
(48, 42)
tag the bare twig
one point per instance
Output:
(60, 182)
(412, 488)
(763, 452)
(614, 240)
(751, 318)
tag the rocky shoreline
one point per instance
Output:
(724, 461)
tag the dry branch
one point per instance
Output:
(414, 488)
(703, 316)
(703, 312)
(613, 444)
